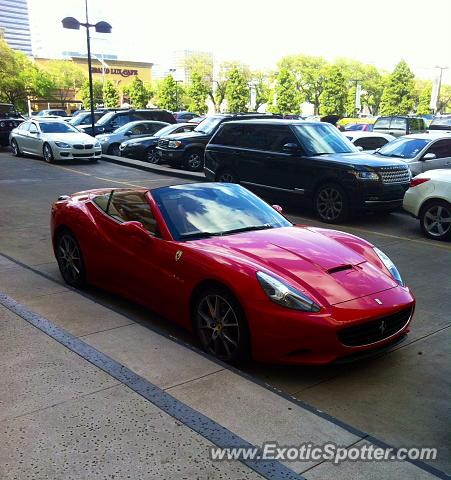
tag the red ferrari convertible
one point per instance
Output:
(217, 259)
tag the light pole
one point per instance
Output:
(177, 94)
(439, 84)
(100, 27)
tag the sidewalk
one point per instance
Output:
(99, 396)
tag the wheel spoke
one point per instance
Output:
(228, 339)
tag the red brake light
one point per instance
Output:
(418, 181)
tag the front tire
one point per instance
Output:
(16, 149)
(435, 220)
(48, 153)
(221, 326)
(194, 160)
(70, 259)
(114, 150)
(331, 203)
(226, 176)
(152, 156)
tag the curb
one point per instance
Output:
(147, 167)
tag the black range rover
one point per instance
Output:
(9, 119)
(310, 160)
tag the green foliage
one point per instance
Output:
(444, 102)
(200, 66)
(287, 99)
(97, 90)
(424, 100)
(333, 98)
(398, 96)
(139, 95)
(110, 95)
(197, 93)
(20, 78)
(67, 78)
(237, 91)
(169, 94)
(263, 92)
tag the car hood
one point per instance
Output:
(361, 159)
(186, 136)
(140, 140)
(324, 268)
(72, 138)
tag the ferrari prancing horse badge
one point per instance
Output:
(178, 255)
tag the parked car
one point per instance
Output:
(311, 161)
(10, 118)
(220, 261)
(368, 141)
(186, 150)
(53, 140)
(183, 117)
(442, 122)
(84, 118)
(52, 112)
(397, 125)
(363, 127)
(429, 200)
(146, 148)
(111, 141)
(118, 118)
(197, 120)
(422, 152)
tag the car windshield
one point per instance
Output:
(196, 211)
(106, 118)
(404, 147)
(322, 138)
(441, 121)
(56, 127)
(84, 119)
(166, 130)
(208, 125)
(125, 128)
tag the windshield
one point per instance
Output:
(57, 127)
(166, 130)
(8, 111)
(84, 119)
(208, 125)
(106, 118)
(403, 147)
(199, 211)
(321, 138)
(441, 121)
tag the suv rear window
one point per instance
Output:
(383, 122)
(398, 123)
(158, 115)
(441, 121)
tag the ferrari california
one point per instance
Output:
(217, 259)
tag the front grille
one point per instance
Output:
(83, 155)
(375, 330)
(78, 147)
(395, 174)
(163, 143)
(88, 146)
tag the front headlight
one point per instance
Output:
(284, 294)
(2, 124)
(174, 144)
(62, 145)
(365, 175)
(389, 265)
(97, 144)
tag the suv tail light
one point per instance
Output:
(418, 181)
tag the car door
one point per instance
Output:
(442, 151)
(34, 140)
(22, 136)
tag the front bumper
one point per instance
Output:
(172, 157)
(286, 336)
(377, 196)
(76, 154)
(135, 151)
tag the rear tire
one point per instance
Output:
(221, 326)
(70, 259)
(331, 204)
(226, 176)
(114, 150)
(47, 153)
(435, 220)
(194, 160)
(16, 149)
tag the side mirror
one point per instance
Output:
(360, 148)
(429, 156)
(277, 208)
(290, 148)
(135, 229)
(128, 133)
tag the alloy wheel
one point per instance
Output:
(329, 203)
(194, 161)
(114, 150)
(69, 259)
(226, 177)
(218, 326)
(48, 155)
(15, 148)
(437, 221)
(153, 156)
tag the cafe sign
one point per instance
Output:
(123, 72)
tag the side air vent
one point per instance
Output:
(340, 268)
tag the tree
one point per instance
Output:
(398, 96)
(139, 95)
(198, 91)
(444, 102)
(20, 78)
(97, 90)
(110, 95)
(237, 91)
(286, 93)
(263, 92)
(424, 99)
(167, 94)
(335, 92)
(67, 78)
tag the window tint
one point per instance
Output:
(33, 128)
(151, 128)
(139, 129)
(277, 136)
(441, 148)
(132, 206)
(398, 123)
(56, 127)
(370, 143)
(229, 135)
(441, 121)
(25, 126)
(120, 120)
(102, 201)
(382, 123)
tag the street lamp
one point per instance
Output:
(439, 85)
(101, 27)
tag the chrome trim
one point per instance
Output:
(296, 190)
(383, 201)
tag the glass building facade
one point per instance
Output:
(15, 25)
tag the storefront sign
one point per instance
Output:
(123, 72)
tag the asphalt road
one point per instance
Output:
(401, 397)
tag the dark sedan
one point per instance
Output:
(144, 148)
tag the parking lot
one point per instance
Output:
(400, 397)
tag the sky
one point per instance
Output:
(257, 32)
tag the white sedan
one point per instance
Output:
(53, 140)
(429, 199)
(368, 141)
